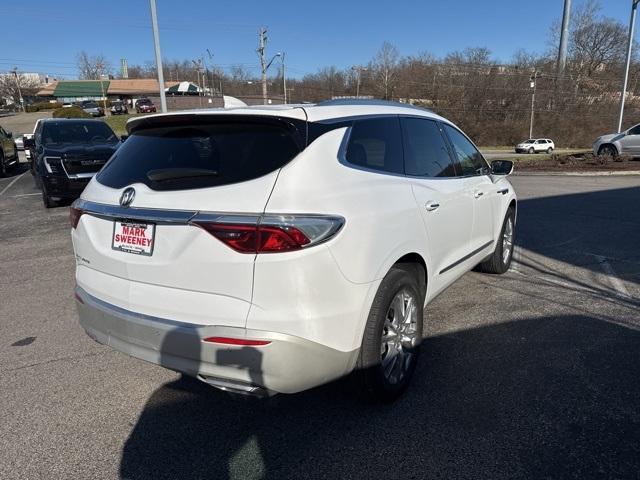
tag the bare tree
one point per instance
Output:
(9, 92)
(597, 44)
(384, 66)
(90, 67)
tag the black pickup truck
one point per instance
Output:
(67, 154)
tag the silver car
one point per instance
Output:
(92, 108)
(627, 142)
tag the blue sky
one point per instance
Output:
(47, 35)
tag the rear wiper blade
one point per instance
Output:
(166, 174)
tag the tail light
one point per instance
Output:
(271, 233)
(74, 215)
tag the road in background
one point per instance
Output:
(533, 374)
(510, 154)
(22, 123)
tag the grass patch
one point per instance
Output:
(118, 122)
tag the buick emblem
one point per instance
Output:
(127, 196)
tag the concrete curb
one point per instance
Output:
(608, 173)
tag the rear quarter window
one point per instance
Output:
(187, 156)
(376, 144)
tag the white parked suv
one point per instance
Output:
(273, 249)
(536, 145)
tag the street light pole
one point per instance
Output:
(534, 77)
(564, 37)
(284, 79)
(156, 43)
(623, 92)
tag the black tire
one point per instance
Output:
(47, 200)
(531, 150)
(371, 380)
(496, 263)
(549, 150)
(608, 150)
(3, 166)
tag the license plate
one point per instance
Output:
(133, 237)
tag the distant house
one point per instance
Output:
(69, 91)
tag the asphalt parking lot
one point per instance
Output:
(533, 374)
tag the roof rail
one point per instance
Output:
(367, 101)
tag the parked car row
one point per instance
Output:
(118, 107)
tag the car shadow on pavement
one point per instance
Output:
(547, 397)
(585, 230)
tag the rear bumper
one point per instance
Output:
(288, 364)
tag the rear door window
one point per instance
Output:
(425, 150)
(376, 144)
(200, 155)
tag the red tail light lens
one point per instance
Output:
(270, 233)
(257, 238)
(74, 216)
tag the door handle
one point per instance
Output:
(431, 206)
(503, 191)
(478, 194)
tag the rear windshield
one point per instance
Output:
(178, 157)
(89, 104)
(77, 132)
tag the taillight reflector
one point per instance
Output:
(74, 216)
(237, 341)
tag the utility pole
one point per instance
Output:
(262, 33)
(533, 79)
(199, 73)
(15, 74)
(212, 77)
(156, 43)
(623, 92)
(100, 68)
(564, 38)
(358, 69)
(284, 79)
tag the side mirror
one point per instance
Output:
(9, 134)
(501, 167)
(28, 142)
(123, 137)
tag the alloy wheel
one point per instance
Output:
(399, 336)
(507, 241)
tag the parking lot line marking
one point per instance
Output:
(616, 283)
(12, 182)
(25, 195)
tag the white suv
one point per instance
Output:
(536, 145)
(274, 249)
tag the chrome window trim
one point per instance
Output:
(154, 215)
